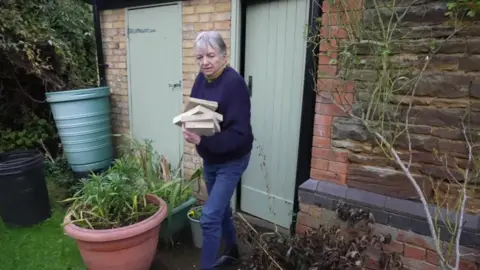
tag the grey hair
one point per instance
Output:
(211, 38)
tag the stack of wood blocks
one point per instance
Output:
(199, 116)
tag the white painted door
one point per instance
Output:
(275, 58)
(155, 75)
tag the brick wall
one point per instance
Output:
(200, 15)
(330, 163)
(114, 48)
(417, 251)
(197, 15)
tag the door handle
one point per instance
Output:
(250, 85)
(175, 85)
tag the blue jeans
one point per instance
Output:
(216, 219)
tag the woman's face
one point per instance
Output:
(209, 60)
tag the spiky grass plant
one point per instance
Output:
(162, 178)
(113, 199)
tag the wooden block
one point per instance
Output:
(203, 110)
(177, 120)
(202, 128)
(201, 117)
(194, 102)
(198, 110)
(217, 126)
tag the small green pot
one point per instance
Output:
(178, 220)
(197, 235)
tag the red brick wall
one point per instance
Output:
(328, 162)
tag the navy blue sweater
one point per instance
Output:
(235, 138)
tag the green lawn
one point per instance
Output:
(43, 247)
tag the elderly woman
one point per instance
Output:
(225, 154)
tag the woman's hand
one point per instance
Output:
(191, 137)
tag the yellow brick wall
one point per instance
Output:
(200, 15)
(197, 15)
(114, 48)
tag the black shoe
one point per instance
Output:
(229, 257)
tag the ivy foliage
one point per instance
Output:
(34, 129)
(469, 7)
(52, 40)
(45, 45)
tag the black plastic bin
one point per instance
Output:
(24, 197)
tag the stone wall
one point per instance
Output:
(347, 164)
(343, 151)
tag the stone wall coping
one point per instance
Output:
(402, 214)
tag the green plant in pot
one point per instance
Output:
(178, 193)
(115, 220)
(167, 182)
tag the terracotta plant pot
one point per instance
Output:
(128, 248)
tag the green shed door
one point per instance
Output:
(275, 60)
(155, 76)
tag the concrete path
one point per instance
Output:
(183, 255)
